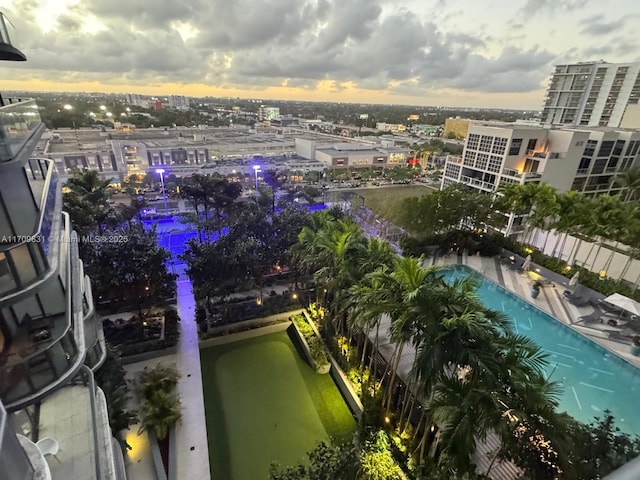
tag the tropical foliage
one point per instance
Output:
(111, 378)
(472, 376)
(161, 408)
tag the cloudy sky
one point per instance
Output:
(488, 53)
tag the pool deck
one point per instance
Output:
(550, 300)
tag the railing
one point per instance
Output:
(28, 259)
(477, 183)
(32, 375)
(582, 171)
(595, 188)
(18, 122)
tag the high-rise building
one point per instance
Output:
(266, 114)
(591, 94)
(51, 339)
(178, 102)
(570, 158)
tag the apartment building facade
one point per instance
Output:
(582, 159)
(592, 94)
(51, 339)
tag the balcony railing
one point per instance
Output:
(44, 352)
(18, 123)
(27, 260)
(477, 183)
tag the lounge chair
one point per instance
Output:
(594, 317)
(580, 301)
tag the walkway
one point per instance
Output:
(191, 436)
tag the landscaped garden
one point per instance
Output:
(264, 404)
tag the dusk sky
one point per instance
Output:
(494, 53)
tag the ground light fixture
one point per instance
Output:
(164, 193)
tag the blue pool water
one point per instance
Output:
(593, 379)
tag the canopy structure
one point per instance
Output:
(623, 302)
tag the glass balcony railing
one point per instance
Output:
(18, 122)
(42, 352)
(24, 263)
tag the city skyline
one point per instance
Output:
(436, 53)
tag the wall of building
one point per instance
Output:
(458, 126)
(631, 117)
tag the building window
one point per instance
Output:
(485, 143)
(590, 148)
(584, 165)
(516, 145)
(598, 166)
(495, 163)
(605, 148)
(472, 141)
(619, 147)
(469, 158)
(499, 145)
(531, 144)
(482, 161)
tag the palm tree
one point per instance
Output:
(517, 198)
(545, 210)
(629, 180)
(569, 216)
(87, 200)
(160, 412)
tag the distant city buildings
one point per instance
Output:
(593, 94)
(391, 127)
(266, 114)
(137, 100)
(342, 155)
(178, 102)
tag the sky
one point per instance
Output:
(491, 53)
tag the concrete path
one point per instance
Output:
(191, 435)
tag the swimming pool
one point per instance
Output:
(593, 379)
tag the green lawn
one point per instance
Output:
(264, 404)
(386, 202)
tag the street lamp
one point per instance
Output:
(256, 169)
(164, 194)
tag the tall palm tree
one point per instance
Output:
(629, 180)
(569, 216)
(87, 200)
(545, 210)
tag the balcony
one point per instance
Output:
(27, 261)
(76, 416)
(476, 183)
(43, 352)
(19, 123)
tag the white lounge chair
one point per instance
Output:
(48, 446)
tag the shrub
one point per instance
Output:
(316, 347)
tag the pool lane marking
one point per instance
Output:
(530, 324)
(567, 346)
(597, 388)
(601, 371)
(503, 308)
(575, 394)
(562, 354)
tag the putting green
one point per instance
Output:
(264, 404)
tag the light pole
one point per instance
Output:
(256, 169)
(164, 194)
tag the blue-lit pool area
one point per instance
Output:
(593, 378)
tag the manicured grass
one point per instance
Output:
(386, 202)
(264, 404)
